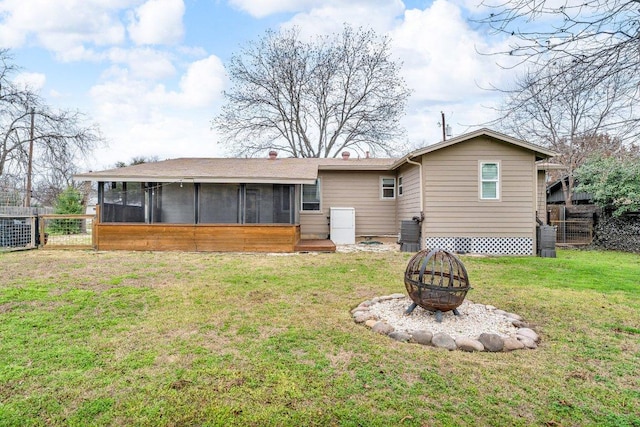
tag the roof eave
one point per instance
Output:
(355, 167)
(550, 166)
(189, 179)
(541, 153)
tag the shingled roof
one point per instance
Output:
(280, 170)
(234, 170)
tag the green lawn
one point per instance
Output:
(123, 338)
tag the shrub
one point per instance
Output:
(69, 202)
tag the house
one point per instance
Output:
(574, 223)
(478, 192)
(555, 194)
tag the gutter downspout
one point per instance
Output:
(421, 217)
(411, 162)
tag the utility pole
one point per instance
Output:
(446, 129)
(27, 199)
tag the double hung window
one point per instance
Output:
(489, 180)
(311, 197)
(387, 188)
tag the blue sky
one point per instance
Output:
(151, 72)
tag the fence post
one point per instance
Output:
(41, 230)
(32, 229)
(95, 232)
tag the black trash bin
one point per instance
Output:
(547, 241)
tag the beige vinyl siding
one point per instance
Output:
(452, 194)
(359, 190)
(314, 225)
(542, 196)
(409, 202)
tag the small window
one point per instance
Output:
(399, 186)
(388, 188)
(311, 197)
(490, 181)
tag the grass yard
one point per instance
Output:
(165, 339)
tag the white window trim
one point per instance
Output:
(302, 210)
(395, 188)
(498, 181)
(400, 186)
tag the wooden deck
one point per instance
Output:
(206, 237)
(315, 245)
(200, 237)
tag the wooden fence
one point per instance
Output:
(67, 231)
(573, 232)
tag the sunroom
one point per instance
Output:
(202, 205)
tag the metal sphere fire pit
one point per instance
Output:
(437, 281)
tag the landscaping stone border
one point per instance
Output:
(523, 338)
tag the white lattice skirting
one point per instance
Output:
(483, 245)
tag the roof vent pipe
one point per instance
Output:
(273, 154)
(345, 155)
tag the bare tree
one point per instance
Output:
(313, 99)
(137, 160)
(32, 132)
(575, 113)
(564, 38)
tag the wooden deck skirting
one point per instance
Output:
(197, 237)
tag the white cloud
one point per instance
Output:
(62, 26)
(55, 94)
(442, 65)
(164, 136)
(144, 63)
(144, 118)
(203, 83)
(329, 17)
(33, 81)
(439, 51)
(262, 8)
(119, 99)
(158, 22)
(325, 16)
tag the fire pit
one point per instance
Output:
(437, 281)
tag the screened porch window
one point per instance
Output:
(490, 180)
(219, 203)
(189, 203)
(174, 203)
(311, 197)
(268, 204)
(122, 201)
(245, 204)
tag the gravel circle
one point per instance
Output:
(477, 327)
(474, 319)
